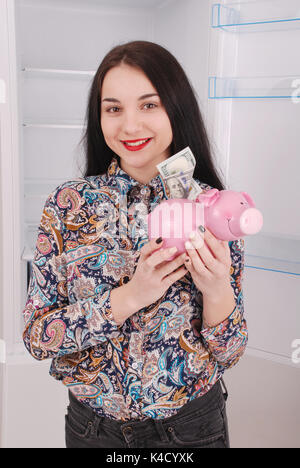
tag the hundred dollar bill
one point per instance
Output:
(177, 172)
(194, 190)
(179, 184)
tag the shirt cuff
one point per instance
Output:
(228, 327)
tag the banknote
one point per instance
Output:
(177, 172)
(194, 190)
(179, 184)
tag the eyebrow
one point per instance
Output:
(145, 96)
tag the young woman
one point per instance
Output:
(140, 342)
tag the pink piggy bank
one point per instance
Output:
(229, 215)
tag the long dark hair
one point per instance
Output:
(177, 96)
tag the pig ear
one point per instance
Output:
(208, 198)
(248, 198)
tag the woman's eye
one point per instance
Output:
(112, 109)
(115, 109)
(151, 104)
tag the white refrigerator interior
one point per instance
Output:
(242, 60)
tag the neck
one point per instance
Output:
(140, 174)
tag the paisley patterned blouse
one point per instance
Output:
(88, 242)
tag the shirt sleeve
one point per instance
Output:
(53, 326)
(227, 341)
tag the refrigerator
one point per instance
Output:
(242, 59)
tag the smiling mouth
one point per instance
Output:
(136, 142)
(135, 145)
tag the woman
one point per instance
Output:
(141, 343)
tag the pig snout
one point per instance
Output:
(250, 222)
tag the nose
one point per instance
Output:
(132, 123)
(251, 221)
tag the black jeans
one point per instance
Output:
(201, 423)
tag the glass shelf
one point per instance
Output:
(270, 87)
(266, 252)
(271, 15)
(48, 72)
(262, 252)
(60, 125)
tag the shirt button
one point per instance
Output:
(145, 191)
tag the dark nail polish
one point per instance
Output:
(201, 228)
(159, 240)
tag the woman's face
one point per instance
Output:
(132, 112)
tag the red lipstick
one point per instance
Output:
(136, 147)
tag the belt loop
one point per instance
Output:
(161, 431)
(225, 394)
(95, 426)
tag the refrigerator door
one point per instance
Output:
(254, 91)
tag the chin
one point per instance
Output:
(137, 159)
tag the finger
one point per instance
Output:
(169, 267)
(214, 245)
(207, 259)
(160, 256)
(227, 252)
(226, 246)
(206, 250)
(189, 265)
(220, 249)
(151, 247)
(196, 260)
(173, 277)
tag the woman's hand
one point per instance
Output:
(209, 263)
(154, 274)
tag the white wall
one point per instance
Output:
(35, 407)
(263, 404)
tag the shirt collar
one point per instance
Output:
(125, 182)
